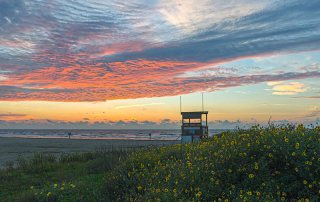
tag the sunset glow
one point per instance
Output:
(102, 64)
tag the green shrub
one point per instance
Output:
(274, 163)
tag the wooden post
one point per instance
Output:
(207, 120)
(180, 105)
(202, 102)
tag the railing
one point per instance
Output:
(194, 124)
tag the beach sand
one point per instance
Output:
(12, 148)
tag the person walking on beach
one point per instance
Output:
(150, 136)
(69, 134)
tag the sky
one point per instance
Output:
(118, 64)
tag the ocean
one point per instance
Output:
(123, 134)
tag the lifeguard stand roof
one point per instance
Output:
(193, 115)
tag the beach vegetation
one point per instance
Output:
(277, 163)
(274, 163)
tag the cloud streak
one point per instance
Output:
(12, 115)
(133, 124)
(96, 51)
(289, 88)
(125, 80)
(138, 105)
(308, 97)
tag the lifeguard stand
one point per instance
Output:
(193, 126)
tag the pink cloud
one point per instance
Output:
(123, 80)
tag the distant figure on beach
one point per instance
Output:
(69, 134)
(150, 136)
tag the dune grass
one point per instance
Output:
(70, 177)
(274, 163)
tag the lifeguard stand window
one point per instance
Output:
(192, 121)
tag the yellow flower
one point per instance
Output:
(304, 153)
(251, 175)
(258, 193)
(139, 188)
(305, 182)
(297, 145)
(286, 139)
(198, 195)
(49, 194)
(32, 187)
(55, 185)
(174, 191)
(72, 185)
(249, 193)
(62, 188)
(166, 190)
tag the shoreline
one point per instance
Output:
(12, 148)
(89, 138)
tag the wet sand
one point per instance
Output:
(12, 148)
